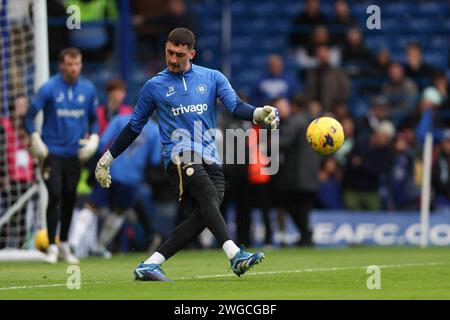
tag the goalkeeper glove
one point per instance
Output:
(89, 147)
(39, 148)
(268, 115)
(102, 170)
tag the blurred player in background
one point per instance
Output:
(116, 91)
(199, 184)
(115, 203)
(69, 103)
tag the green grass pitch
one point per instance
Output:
(334, 273)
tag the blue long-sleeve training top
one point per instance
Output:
(185, 104)
(69, 113)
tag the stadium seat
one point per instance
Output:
(402, 23)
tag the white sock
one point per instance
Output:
(64, 248)
(85, 219)
(63, 245)
(53, 248)
(230, 248)
(156, 258)
(111, 226)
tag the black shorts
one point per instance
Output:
(183, 174)
(61, 175)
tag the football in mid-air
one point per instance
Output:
(325, 135)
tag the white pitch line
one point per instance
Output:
(35, 286)
(59, 285)
(233, 275)
(314, 270)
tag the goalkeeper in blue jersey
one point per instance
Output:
(184, 95)
(113, 204)
(68, 138)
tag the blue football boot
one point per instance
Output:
(150, 272)
(243, 261)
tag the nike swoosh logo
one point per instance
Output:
(169, 94)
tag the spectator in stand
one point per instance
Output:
(306, 53)
(178, 16)
(378, 72)
(382, 62)
(314, 108)
(340, 111)
(325, 83)
(367, 165)
(153, 28)
(403, 192)
(378, 112)
(330, 190)
(441, 174)
(356, 57)
(348, 124)
(148, 34)
(427, 118)
(304, 23)
(342, 21)
(415, 67)
(401, 92)
(439, 89)
(276, 83)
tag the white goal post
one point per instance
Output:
(24, 67)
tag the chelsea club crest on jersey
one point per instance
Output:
(201, 88)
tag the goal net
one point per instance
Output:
(23, 194)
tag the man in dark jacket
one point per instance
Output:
(367, 164)
(297, 179)
(325, 83)
(304, 22)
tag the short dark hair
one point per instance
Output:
(395, 63)
(438, 75)
(71, 52)
(182, 36)
(115, 84)
(319, 47)
(414, 45)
